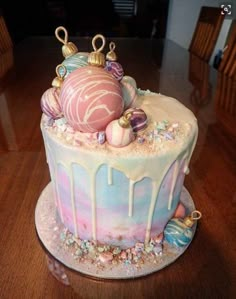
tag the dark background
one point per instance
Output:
(85, 18)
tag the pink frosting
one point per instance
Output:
(90, 99)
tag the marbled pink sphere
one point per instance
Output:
(129, 94)
(138, 119)
(118, 136)
(180, 211)
(91, 98)
(115, 68)
(50, 103)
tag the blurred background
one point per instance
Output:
(172, 19)
(135, 18)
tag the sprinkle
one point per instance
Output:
(127, 262)
(157, 249)
(100, 249)
(161, 126)
(101, 137)
(69, 241)
(148, 248)
(168, 136)
(139, 247)
(175, 125)
(78, 252)
(140, 139)
(116, 251)
(106, 257)
(123, 255)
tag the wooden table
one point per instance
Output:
(206, 270)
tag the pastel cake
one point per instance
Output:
(116, 182)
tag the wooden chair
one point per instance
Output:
(226, 85)
(198, 75)
(6, 48)
(5, 39)
(206, 32)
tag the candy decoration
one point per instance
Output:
(129, 94)
(50, 103)
(112, 66)
(115, 69)
(73, 62)
(90, 99)
(119, 133)
(138, 119)
(57, 82)
(130, 80)
(179, 231)
(74, 59)
(96, 58)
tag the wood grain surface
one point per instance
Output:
(208, 267)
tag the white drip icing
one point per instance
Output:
(93, 205)
(57, 196)
(53, 170)
(131, 197)
(173, 182)
(155, 191)
(109, 175)
(72, 198)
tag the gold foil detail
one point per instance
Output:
(124, 121)
(96, 58)
(57, 81)
(189, 220)
(68, 48)
(111, 55)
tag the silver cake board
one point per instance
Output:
(49, 229)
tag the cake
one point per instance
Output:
(117, 156)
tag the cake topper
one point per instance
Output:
(96, 58)
(61, 72)
(112, 66)
(111, 55)
(119, 133)
(179, 232)
(68, 48)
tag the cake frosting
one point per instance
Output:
(113, 184)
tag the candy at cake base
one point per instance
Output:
(127, 195)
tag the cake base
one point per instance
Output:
(49, 229)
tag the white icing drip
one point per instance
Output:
(131, 197)
(109, 175)
(54, 181)
(72, 198)
(93, 205)
(173, 182)
(155, 191)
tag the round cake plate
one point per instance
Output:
(49, 229)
